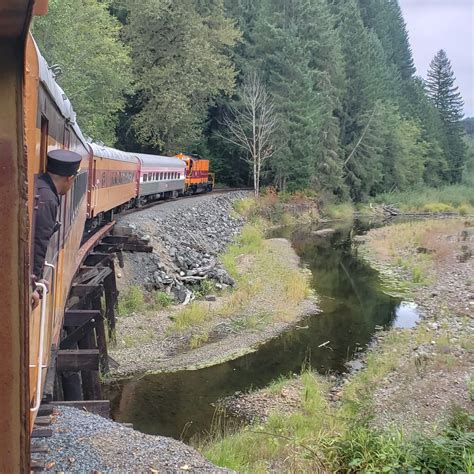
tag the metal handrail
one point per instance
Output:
(41, 348)
(53, 284)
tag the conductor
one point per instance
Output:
(61, 170)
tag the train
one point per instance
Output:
(108, 182)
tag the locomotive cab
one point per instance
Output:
(198, 177)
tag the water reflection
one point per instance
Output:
(406, 315)
(352, 308)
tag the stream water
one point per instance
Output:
(182, 404)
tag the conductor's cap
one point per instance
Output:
(63, 162)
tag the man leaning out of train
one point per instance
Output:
(61, 170)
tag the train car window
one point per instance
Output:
(44, 143)
(67, 137)
(145, 178)
(104, 178)
(78, 191)
(161, 176)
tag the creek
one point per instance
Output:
(353, 307)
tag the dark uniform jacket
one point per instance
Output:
(45, 221)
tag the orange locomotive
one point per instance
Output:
(197, 174)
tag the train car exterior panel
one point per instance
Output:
(114, 179)
(49, 124)
(160, 175)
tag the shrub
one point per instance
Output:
(131, 301)
(437, 208)
(162, 299)
(192, 315)
(245, 206)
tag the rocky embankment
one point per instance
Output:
(186, 236)
(87, 443)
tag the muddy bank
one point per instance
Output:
(233, 324)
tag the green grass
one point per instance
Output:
(131, 301)
(135, 300)
(459, 198)
(192, 315)
(343, 210)
(320, 438)
(245, 206)
(161, 300)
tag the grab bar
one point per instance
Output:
(40, 354)
(53, 285)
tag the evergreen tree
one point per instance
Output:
(386, 19)
(182, 62)
(447, 99)
(442, 91)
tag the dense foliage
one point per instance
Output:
(353, 119)
(82, 38)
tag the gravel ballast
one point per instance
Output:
(87, 443)
(186, 235)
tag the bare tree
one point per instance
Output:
(252, 125)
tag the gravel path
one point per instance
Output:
(87, 443)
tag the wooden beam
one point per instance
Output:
(98, 407)
(98, 258)
(72, 339)
(104, 272)
(74, 360)
(48, 390)
(42, 432)
(137, 248)
(45, 410)
(84, 290)
(115, 239)
(78, 317)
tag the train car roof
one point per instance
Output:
(64, 105)
(103, 151)
(157, 160)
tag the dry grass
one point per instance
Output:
(269, 288)
(418, 247)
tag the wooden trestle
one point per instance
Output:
(73, 377)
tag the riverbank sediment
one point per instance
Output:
(406, 406)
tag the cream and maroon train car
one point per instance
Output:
(113, 184)
(50, 123)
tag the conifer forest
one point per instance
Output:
(349, 116)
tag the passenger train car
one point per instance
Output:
(113, 183)
(160, 176)
(50, 123)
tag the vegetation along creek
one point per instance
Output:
(182, 404)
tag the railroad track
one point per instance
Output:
(191, 196)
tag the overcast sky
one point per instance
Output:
(448, 25)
